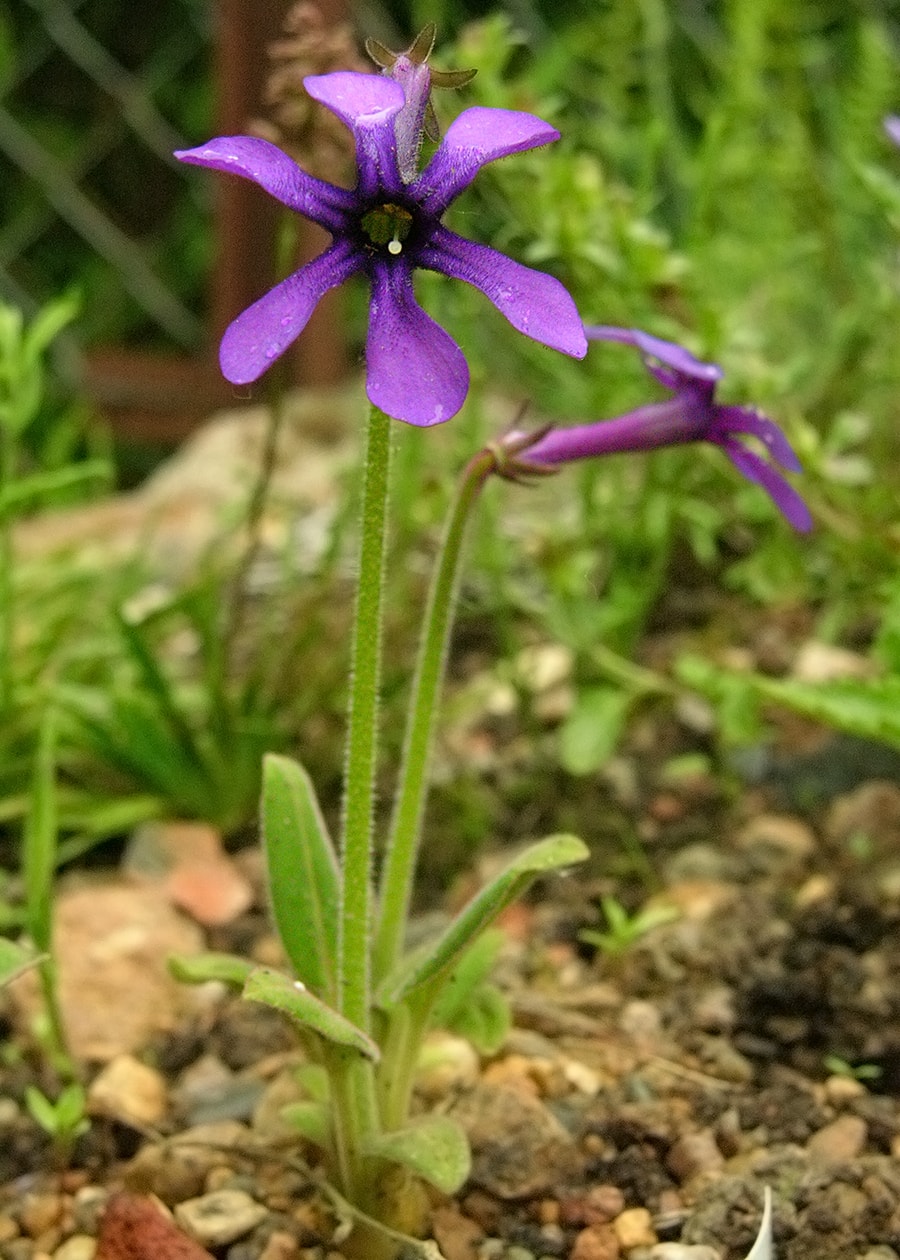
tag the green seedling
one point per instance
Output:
(859, 1072)
(63, 1120)
(624, 930)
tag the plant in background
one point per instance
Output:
(64, 1119)
(861, 1072)
(24, 484)
(623, 930)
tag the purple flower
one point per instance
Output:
(386, 227)
(892, 127)
(691, 415)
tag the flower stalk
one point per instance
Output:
(354, 979)
(424, 706)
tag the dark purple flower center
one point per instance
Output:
(387, 226)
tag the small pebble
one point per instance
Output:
(39, 1213)
(129, 1091)
(8, 1229)
(682, 1251)
(840, 1090)
(78, 1247)
(10, 1113)
(88, 1206)
(633, 1228)
(446, 1063)
(603, 1204)
(217, 1219)
(839, 1142)
(693, 1154)
(597, 1242)
(19, 1249)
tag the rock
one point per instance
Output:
(130, 1092)
(189, 861)
(602, 1204)
(446, 1064)
(868, 816)
(88, 1205)
(683, 1251)
(633, 1228)
(112, 942)
(283, 1090)
(39, 1213)
(519, 1148)
(78, 1247)
(596, 1242)
(784, 841)
(839, 1142)
(818, 662)
(217, 1219)
(8, 1229)
(134, 1228)
(280, 1245)
(693, 1154)
(841, 1090)
(458, 1236)
(178, 1170)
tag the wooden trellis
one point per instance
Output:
(167, 379)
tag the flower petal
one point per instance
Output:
(477, 136)
(668, 353)
(368, 104)
(266, 165)
(414, 370)
(747, 420)
(782, 494)
(534, 303)
(892, 127)
(265, 330)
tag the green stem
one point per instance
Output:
(6, 584)
(409, 804)
(354, 977)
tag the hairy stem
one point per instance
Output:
(354, 978)
(409, 803)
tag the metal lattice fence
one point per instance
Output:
(94, 96)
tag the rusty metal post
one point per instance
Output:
(245, 215)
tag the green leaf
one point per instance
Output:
(14, 959)
(40, 837)
(70, 1107)
(31, 491)
(435, 1149)
(436, 961)
(303, 872)
(41, 1110)
(591, 732)
(312, 1120)
(867, 707)
(275, 989)
(485, 1020)
(470, 972)
(228, 968)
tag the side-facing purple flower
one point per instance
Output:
(691, 415)
(384, 228)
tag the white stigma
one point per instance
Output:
(395, 247)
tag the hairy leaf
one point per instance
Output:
(303, 872)
(275, 989)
